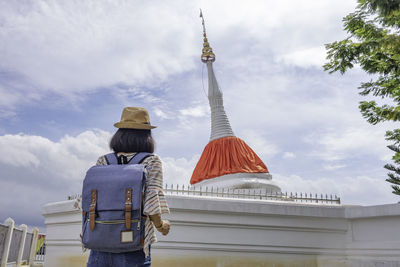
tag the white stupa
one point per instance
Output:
(227, 161)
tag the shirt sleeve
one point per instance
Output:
(101, 161)
(154, 202)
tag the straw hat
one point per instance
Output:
(134, 118)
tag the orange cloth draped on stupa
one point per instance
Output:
(227, 155)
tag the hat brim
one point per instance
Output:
(133, 125)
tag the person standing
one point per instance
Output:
(134, 136)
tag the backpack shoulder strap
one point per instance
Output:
(111, 158)
(139, 157)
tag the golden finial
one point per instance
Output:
(207, 53)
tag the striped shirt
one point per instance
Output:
(154, 201)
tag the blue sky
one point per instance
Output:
(67, 68)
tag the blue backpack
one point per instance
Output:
(112, 198)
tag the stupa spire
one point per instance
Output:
(220, 126)
(207, 53)
(227, 161)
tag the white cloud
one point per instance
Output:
(36, 170)
(68, 47)
(331, 167)
(289, 155)
(179, 170)
(67, 159)
(261, 16)
(42, 171)
(359, 190)
(314, 56)
(127, 96)
(197, 111)
(259, 144)
(160, 113)
(345, 143)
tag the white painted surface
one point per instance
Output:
(24, 229)
(7, 242)
(220, 126)
(222, 229)
(63, 227)
(241, 181)
(32, 253)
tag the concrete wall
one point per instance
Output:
(209, 231)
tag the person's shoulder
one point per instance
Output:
(152, 157)
(102, 160)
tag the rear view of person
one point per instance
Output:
(132, 138)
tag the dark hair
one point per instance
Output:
(132, 140)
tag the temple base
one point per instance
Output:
(241, 181)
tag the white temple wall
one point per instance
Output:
(209, 231)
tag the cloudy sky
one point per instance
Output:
(67, 68)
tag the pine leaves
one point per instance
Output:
(394, 175)
(374, 44)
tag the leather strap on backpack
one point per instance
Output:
(92, 209)
(128, 208)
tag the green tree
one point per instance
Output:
(374, 44)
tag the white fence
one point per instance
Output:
(17, 246)
(261, 194)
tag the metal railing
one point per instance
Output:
(18, 246)
(260, 194)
